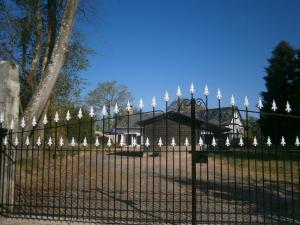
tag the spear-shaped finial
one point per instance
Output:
(147, 144)
(160, 142)
(61, 142)
(56, 117)
(166, 97)
(34, 121)
(201, 142)
(227, 143)
(241, 142)
(232, 100)
(186, 143)
(246, 102)
(23, 123)
(116, 109)
(153, 102)
(84, 142)
(141, 105)
(219, 94)
(73, 142)
(288, 108)
(79, 113)
(192, 88)
(283, 143)
(173, 142)
(38, 142)
(92, 113)
(97, 142)
(68, 116)
(260, 104)
(269, 143)
(214, 143)
(255, 143)
(297, 142)
(109, 142)
(104, 111)
(178, 92)
(274, 106)
(206, 91)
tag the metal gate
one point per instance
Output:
(180, 165)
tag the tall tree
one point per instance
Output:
(108, 94)
(282, 85)
(39, 36)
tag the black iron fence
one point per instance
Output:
(185, 164)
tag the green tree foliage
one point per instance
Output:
(282, 85)
(108, 94)
(28, 31)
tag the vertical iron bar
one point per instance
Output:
(234, 159)
(43, 169)
(187, 187)
(270, 181)
(54, 176)
(133, 187)
(21, 164)
(127, 168)
(90, 172)
(121, 183)
(83, 181)
(263, 172)
(277, 186)
(72, 180)
(221, 159)
(66, 169)
(285, 185)
(37, 179)
(179, 144)
(207, 167)
(167, 137)
(96, 181)
(115, 164)
(78, 169)
(140, 166)
(242, 181)
(292, 185)
(193, 145)
(248, 156)
(102, 165)
(1, 167)
(25, 189)
(108, 181)
(48, 181)
(256, 187)
(60, 181)
(8, 169)
(153, 156)
(147, 175)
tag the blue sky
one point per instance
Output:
(154, 45)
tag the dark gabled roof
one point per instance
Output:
(213, 115)
(134, 119)
(185, 119)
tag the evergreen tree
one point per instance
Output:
(282, 85)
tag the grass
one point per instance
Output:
(283, 164)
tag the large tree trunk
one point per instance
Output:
(51, 73)
(51, 35)
(31, 79)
